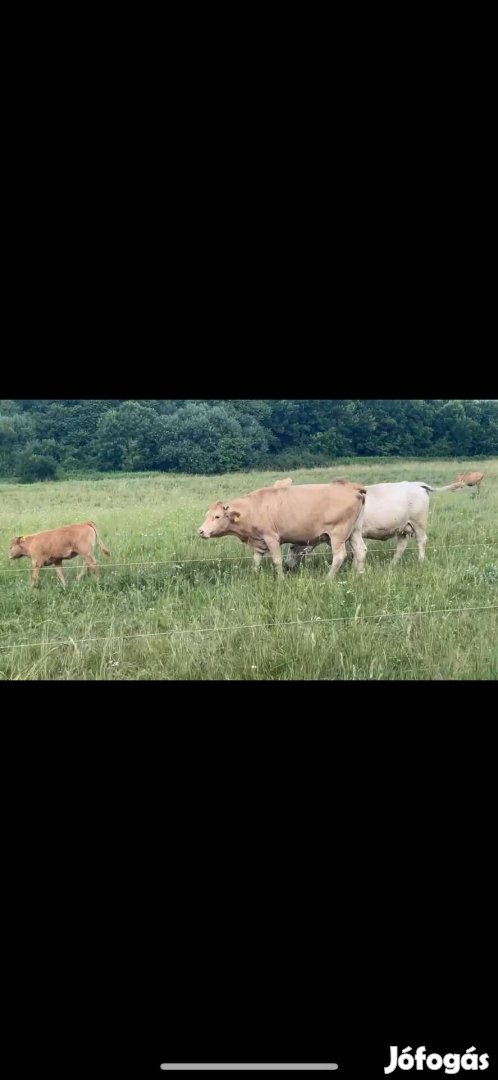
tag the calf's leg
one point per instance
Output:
(91, 566)
(58, 570)
(295, 556)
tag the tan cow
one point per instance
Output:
(51, 547)
(471, 479)
(269, 517)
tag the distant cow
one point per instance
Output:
(471, 479)
(51, 547)
(272, 516)
(391, 510)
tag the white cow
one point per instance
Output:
(399, 510)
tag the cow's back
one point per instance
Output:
(388, 507)
(304, 510)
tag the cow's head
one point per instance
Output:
(18, 547)
(219, 518)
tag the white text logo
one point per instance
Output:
(452, 1063)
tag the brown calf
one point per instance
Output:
(51, 547)
(471, 479)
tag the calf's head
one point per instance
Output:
(18, 547)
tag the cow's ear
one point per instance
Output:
(232, 515)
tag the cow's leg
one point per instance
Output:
(58, 570)
(359, 547)
(35, 573)
(338, 545)
(258, 559)
(275, 550)
(258, 554)
(401, 547)
(421, 536)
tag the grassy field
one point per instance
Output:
(235, 621)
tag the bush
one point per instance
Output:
(33, 467)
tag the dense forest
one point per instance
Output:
(53, 438)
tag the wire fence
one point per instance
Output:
(317, 622)
(179, 562)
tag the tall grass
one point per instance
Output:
(215, 619)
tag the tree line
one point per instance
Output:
(54, 438)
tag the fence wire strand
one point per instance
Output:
(316, 622)
(179, 562)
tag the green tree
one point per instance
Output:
(203, 439)
(215, 436)
(128, 438)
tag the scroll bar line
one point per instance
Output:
(254, 1068)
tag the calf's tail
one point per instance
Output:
(99, 541)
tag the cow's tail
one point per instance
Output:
(99, 541)
(361, 491)
(449, 487)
